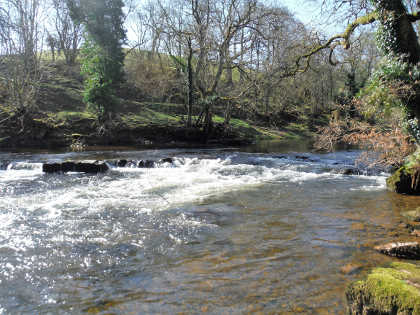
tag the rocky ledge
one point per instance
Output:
(99, 166)
(405, 250)
(83, 167)
(406, 180)
(391, 290)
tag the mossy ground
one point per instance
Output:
(389, 290)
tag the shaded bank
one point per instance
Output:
(147, 126)
(406, 180)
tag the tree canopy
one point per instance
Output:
(396, 82)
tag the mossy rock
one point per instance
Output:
(406, 180)
(391, 290)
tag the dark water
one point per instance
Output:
(219, 231)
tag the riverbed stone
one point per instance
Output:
(146, 164)
(4, 165)
(348, 171)
(406, 250)
(51, 167)
(87, 167)
(351, 269)
(73, 166)
(122, 163)
(167, 160)
(68, 167)
(394, 289)
(413, 215)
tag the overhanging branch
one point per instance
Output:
(339, 39)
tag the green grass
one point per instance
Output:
(72, 116)
(149, 117)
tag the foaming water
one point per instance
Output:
(214, 231)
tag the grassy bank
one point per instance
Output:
(60, 118)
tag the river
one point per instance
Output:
(221, 231)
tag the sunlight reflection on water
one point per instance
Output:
(218, 231)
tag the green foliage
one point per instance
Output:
(395, 68)
(98, 91)
(390, 86)
(102, 53)
(386, 37)
(179, 62)
(378, 99)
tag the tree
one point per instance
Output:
(203, 33)
(21, 48)
(69, 32)
(397, 81)
(102, 53)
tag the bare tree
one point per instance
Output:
(21, 40)
(206, 35)
(69, 33)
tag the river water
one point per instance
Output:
(217, 231)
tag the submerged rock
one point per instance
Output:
(350, 269)
(347, 171)
(83, 167)
(140, 163)
(121, 163)
(167, 160)
(302, 157)
(4, 165)
(391, 290)
(413, 215)
(146, 164)
(407, 250)
(51, 167)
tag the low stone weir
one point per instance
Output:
(83, 167)
(99, 166)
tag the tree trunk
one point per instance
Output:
(229, 74)
(241, 76)
(267, 95)
(208, 122)
(228, 113)
(399, 30)
(399, 38)
(190, 84)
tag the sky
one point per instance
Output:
(309, 13)
(306, 11)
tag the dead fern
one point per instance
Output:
(386, 147)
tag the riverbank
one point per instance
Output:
(146, 127)
(60, 119)
(394, 288)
